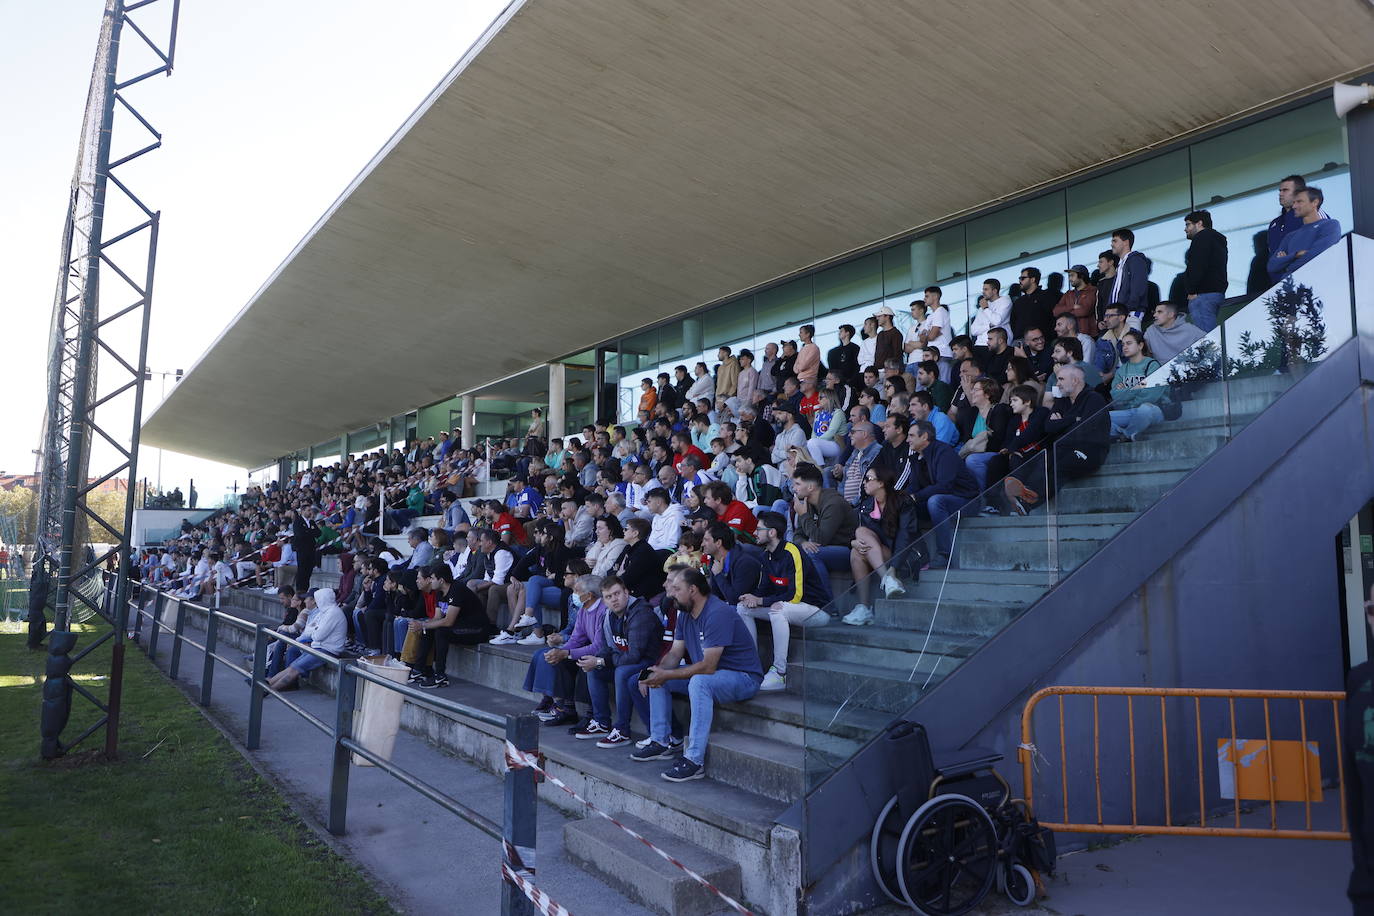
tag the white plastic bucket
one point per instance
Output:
(377, 718)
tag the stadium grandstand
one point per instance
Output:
(914, 356)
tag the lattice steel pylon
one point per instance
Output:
(94, 328)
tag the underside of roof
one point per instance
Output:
(593, 166)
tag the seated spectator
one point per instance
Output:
(1066, 326)
(497, 561)
(455, 516)
(539, 675)
(1170, 335)
(533, 586)
(887, 527)
(942, 484)
(865, 449)
(923, 408)
(1035, 349)
(606, 549)
(825, 444)
(421, 551)
(870, 399)
(458, 618)
(999, 351)
(615, 505)
(825, 522)
(633, 637)
(639, 566)
(791, 591)
(1135, 408)
(587, 639)
(717, 497)
(721, 665)
(989, 429)
(1022, 441)
(1080, 428)
(928, 378)
(735, 569)
(325, 630)
(757, 482)
(293, 621)
(791, 438)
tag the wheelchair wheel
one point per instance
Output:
(1020, 885)
(882, 851)
(947, 856)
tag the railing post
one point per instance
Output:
(255, 690)
(207, 676)
(520, 810)
(178, 631)
(157, 627)
(343, 728)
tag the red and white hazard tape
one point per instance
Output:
(518, 759)
(546, 904)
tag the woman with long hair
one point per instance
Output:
(887, 529)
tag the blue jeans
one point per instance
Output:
(541, 592)
(1202, 310)
(1133, 421)
(303, 662)
(830, 556)
(978, 466)
(704, 690)
(627, 696)
(940, 508)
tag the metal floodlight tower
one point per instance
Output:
(91, 325)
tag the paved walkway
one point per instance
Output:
(424, 859)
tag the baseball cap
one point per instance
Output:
(1080, 270)
(884, 310)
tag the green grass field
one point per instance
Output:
(178, 824)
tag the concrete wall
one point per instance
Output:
(1246, 597)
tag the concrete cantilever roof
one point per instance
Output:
(592, 166)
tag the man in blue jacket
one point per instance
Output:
(1132, 283)
(632, 635)
(736, 569)
(1287, 220)
(1316, 234)
(791, 592)
(941, 485)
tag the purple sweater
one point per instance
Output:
(587, 638)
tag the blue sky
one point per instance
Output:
(273, 108)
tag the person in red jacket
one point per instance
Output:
(682, 447)
(718, 497)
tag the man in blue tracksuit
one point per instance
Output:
(1131, 286)
(736, 569)
(791, 592)
(1316, 234)
(1287, 220)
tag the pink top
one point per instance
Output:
(808, 362)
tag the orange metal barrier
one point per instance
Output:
(1028, 752)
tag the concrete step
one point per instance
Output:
(1044, 551)
(630, 867)
(886, 647)
(732, 823)
(1162, 443)
(1097, 493)
(952, 617)
(867, 687)
(959, 586)
(789, 717)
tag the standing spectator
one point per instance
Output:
(631, 637)
(1170, 335)
(702, 387)
(889, 339)
(1316, 234)
(1285, 222)
(994, 311)
(843, 360)
(304, 540)
(1204, 277)
(808, 364)
(768, 379)
(727, 376)
(1034, 308)
(868, 345)
(748, 380)
(790, 592)
(933, 330)
(722, 665)
(1080, 301)
(1131, 284)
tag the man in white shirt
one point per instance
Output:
(932, 330)
(666, 522)
(994, 311)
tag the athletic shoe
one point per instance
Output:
(684, 770)
(440, 679)
(861, 616)
(526, 620)
(428, 682)
(269, 591)
(534, 639)
(674, 743)
(774, 680)
(939, 562)
(616, 738)
(991, 510)
(545, 705)
(561, 717)
(502, 639)
(593, 729)
(652, 751)
(892, 586)
(415, 675)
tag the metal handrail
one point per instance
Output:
(517, 833)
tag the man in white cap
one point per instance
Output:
(889, 343)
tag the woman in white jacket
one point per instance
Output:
(608, 546)
(326, 630)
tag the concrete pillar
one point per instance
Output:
(923, 263)
(345, 445)
(1359, 131)
(691, 339)
(469, 421)
(310, 457)
(557, 421)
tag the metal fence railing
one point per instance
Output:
(516, 832)
(1265, 747)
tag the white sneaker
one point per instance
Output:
(534, 639)
(892, 586)
(526, 620)
(861, 616)
(502, 639)
(774, 680)
(269, 591)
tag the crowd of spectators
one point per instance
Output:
(635, 561)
